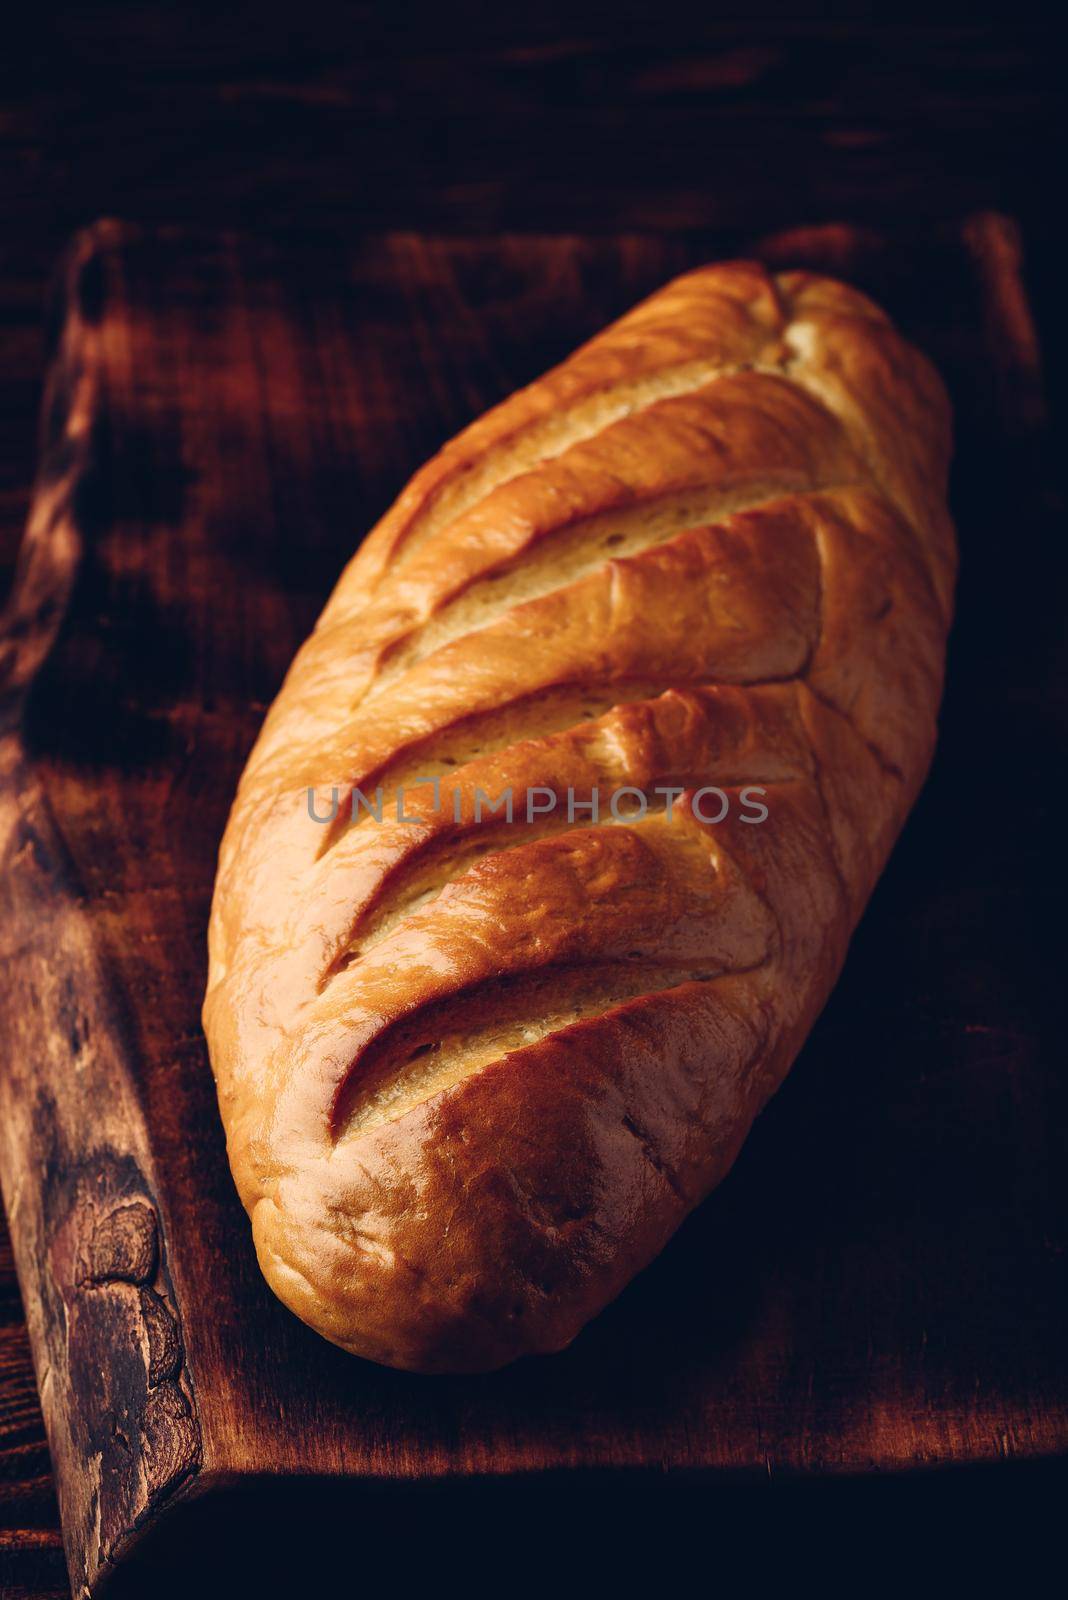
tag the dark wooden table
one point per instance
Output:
(569, 119)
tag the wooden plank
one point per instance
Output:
(572, 115)
(877, 1285)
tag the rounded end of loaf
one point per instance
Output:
(494, 1220)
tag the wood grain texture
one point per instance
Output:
(479, 116)
(29, 1520)
(880, 1282)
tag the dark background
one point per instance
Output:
(477, 118)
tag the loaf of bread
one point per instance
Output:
(475, 1070)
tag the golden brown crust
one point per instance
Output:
(474, 1073)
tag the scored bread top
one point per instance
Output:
(473, 1072)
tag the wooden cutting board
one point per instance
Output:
(879, 1283)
